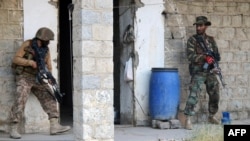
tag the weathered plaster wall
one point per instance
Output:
(149, 45)
(231, 29)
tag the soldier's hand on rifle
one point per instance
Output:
(209, 59)
(215, 70)
(33, 64)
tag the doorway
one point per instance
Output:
(116, 60)
(65, 61)
(123, 90)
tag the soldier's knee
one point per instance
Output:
(192, 100)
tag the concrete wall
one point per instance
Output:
(231, 29)
(93, 70)
(11, 33)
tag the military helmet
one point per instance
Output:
(45, 34)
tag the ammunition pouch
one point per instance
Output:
(195, 68)
(18, 70)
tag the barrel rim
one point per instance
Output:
(164, 69)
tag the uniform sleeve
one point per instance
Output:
(18, 58)
(191, 52)
(48, 61)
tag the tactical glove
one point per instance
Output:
(209, 59)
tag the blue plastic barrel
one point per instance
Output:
(164, 93)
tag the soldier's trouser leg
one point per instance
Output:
(212, 87)
(22, 94)
(50, 107)
(17, 110)
(197, 82)
(48, 103)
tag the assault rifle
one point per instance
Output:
(215, 66)
(44, 76)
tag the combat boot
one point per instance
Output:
(213, 120)
(55, 127)
(188, 123)
(13, 131)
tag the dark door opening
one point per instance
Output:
(116, 60)
(65, 62)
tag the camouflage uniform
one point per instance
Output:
(26, 69)
(26, 82)
(199, 76)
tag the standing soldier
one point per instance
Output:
(26, 70)
(202, 70)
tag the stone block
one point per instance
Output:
(104, 4)
(97, 49)
(88, 4)
(163, 124)
(170, 7)
(12, 31)
(222, 44)
(236, 21)
(107, 18)
(172, 20)
(10, 4)
(196, 7)
(182, 7)
(235, 105)
(212, 31)
(90, 82)
(175, 124)
(3, 16)
(232, 8)
(190, 20)
(15, 16)
(243, 7)
(153, 124)
(241, 34)
(246, 21)
(86, 33)
(108, 82)
(221, 7)
(226, 21)
(104, 65)
(209, 7)
(102, 32)
(226, 33)
(91, 17)
(216, 20)
(240, 56)
(89, 64)
(160, 124)
(104, 131)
